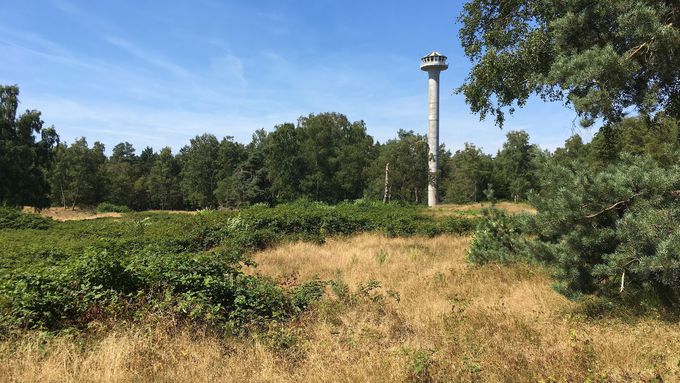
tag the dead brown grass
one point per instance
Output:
(68, 214)
(434, 318)
(449, 210)
(81, 214)
(187, 212)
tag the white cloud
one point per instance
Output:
(147, 56)
(36, 45)
(144, 126)
(228, 66)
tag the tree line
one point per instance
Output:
(323, 157)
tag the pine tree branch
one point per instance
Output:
(646, 44)
(614, 206)
(639, 47)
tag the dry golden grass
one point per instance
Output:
(450, 210)
(68, 214)
(434, 318)
(187, 212)
(81, 214)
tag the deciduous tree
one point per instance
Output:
(200, 169)
(24, 160)
(164, 181)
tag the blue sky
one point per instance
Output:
(157, 73)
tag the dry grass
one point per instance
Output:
(81, 214)
(448, 322)
(187, 212)
(68, 214)
(452, 210)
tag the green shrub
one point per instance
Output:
(613, 234)
(419, 366)
(104, 269)
(185, 266)
(498, 239)
(13, 218)
(307, 293)
(107, 207)
(202, 288)
(257, 299)
(457, 225)
(36, 300)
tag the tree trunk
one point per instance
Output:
(75, 199)
(63, 195)
(387, 182)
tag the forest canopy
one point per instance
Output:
(604, 59)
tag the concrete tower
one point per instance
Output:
(433, 64)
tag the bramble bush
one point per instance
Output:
(185, 266)
(14, 218)
(108, 207)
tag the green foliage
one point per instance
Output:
(232, 155)
(419, 366)
(602, 57)
(322, 158)
(498, 239)
(24, 161)
(613, 233)
(596, 226)
(121, 173)
(574, 152)
(200, 168)
(282, 339)
(635, 135)
(184, 266)
(304, 295)
(309, 220)
(78, 176)
(164, 181)
(37, 299)
(515, 166)
(470, 172)
(408, 174)
(13, 218)
(108, 207)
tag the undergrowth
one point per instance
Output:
(13, 218)
(187, 267)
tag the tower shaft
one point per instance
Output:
(433, 63)
(433, 135)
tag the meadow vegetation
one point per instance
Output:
(580, 282)
(57, 275)
(407, 309)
